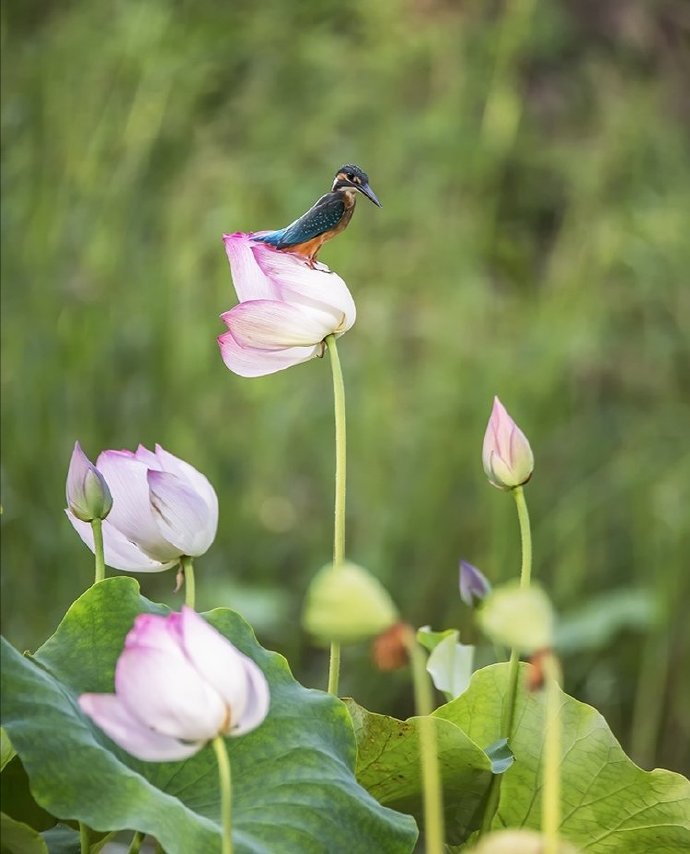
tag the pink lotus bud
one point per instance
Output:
(178, 684)
(163, 509)
(88, 496)
(473, 584)
(507, 456)
(286, 309)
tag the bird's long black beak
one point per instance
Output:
(366, 190)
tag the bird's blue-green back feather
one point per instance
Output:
(321, 218)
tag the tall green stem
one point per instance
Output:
(84, 843)
(189, 583)
(551, 786)
(225, 791)
(97, 528)
(340, 484)
(428, 748)
(514, 664)
(525, 577)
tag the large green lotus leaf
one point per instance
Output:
(294, 788)
(609, 805)
(388, 767)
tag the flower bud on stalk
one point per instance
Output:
(88, 495)
(506, 455)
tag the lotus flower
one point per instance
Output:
(163, 509)
(507, 456)
(88, 496)
(178, 684)
(286, 308)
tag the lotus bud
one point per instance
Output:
(506, 455)
(474, 586)
(88, 495)
(346, 604)
(519, 617)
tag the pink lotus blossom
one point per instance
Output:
(286, 308)
(87, 493)
(163, 509)
(178, 684)
(507, 456)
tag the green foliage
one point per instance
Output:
(608, 803)
(532, 164)
(388, 767)
(294, 784)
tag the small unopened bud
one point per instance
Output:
(520, 617)
(88, 496)
(474, 587)
(518, 842)
(389, 649)
(346, 604)
(506, 455)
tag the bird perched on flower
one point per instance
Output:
(327, 217)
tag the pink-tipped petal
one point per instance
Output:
(149, 458)
(299, 283)
(132, 514)
(506, 454)
(169, 462)
(127, 731)
(257, 702)
(220, 663)
(167, 694)
(181, 513)
(252, 362)
(119, 552)
(247, 277)
(271, 325)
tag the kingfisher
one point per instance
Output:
(327, 217)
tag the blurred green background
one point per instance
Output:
(532, 163)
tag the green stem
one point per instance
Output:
(428, 748)
(84, 843)
(493, 795)
(225, 791)
(135, 844)
(97, 528)
(189, 584)
(340, 484)
(525, 577)
(551, 790)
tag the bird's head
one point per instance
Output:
(351, 177)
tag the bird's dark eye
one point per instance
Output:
(350, 176)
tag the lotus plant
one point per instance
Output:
(164, 512)
(179, 684)
(286, 309)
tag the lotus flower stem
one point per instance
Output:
(340, 486)
(189, 583)
(428, 748)
(525, 576)
(135, 844)
(84, 843)
(97, 527)
(225, 791)
(551, 788)
(514, 665)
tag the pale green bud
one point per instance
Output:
(520, 617)
(346, 604)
